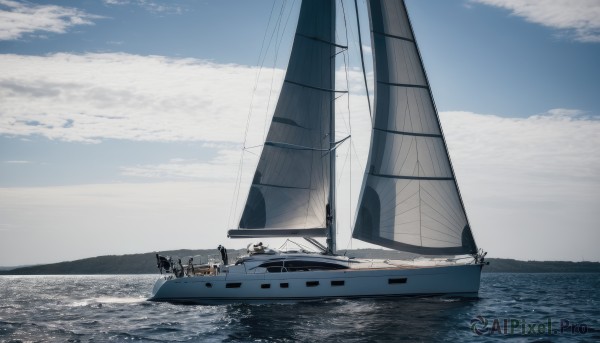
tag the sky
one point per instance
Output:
(122, 121)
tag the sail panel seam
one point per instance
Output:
(393, 36)
(314, 87)
(290, 146)
(417, 134)
(279, 186)
(406, 177)
(403, 85)
(321, 40)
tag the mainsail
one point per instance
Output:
(291, 187)
(409, 199)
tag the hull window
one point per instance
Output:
(265, 285)
(299, 266)
(337, 282)
(208, 285)
(284, 285)
(394, 281)
(312, 283)
(233, 285)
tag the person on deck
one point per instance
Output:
(224, 256)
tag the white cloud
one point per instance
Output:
(580, 19)
(223, 167)
(150, 6)
(17, 162)
(355, 80)
(20, 18)
(531, 185)
(121, 96)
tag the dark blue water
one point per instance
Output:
(113, 308)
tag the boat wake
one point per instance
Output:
(107, 300)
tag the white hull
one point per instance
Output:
(458, 280)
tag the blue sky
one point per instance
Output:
(121, 121)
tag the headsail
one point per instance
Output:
(290, 189)
(409, 199)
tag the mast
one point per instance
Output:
(331, 208)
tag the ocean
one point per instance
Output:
(511, 307)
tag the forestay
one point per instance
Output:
(290, 189)
(409, 199)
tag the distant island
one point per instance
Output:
(146, 263)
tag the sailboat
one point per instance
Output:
(409, 198)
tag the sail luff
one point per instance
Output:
(409, 199)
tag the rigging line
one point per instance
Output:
(253, 153)
(360, 164)
(237, 185)
(339, 96)
(339, 52)
(346, 123)
(261, 64)
(338, 143)
(362, 60)
(277, 45)
(260, 55)
(291, 146)
(342, 170)
(254, 146)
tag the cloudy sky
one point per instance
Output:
(122, 121)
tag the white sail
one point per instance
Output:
(409, 198)
(290, 189)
